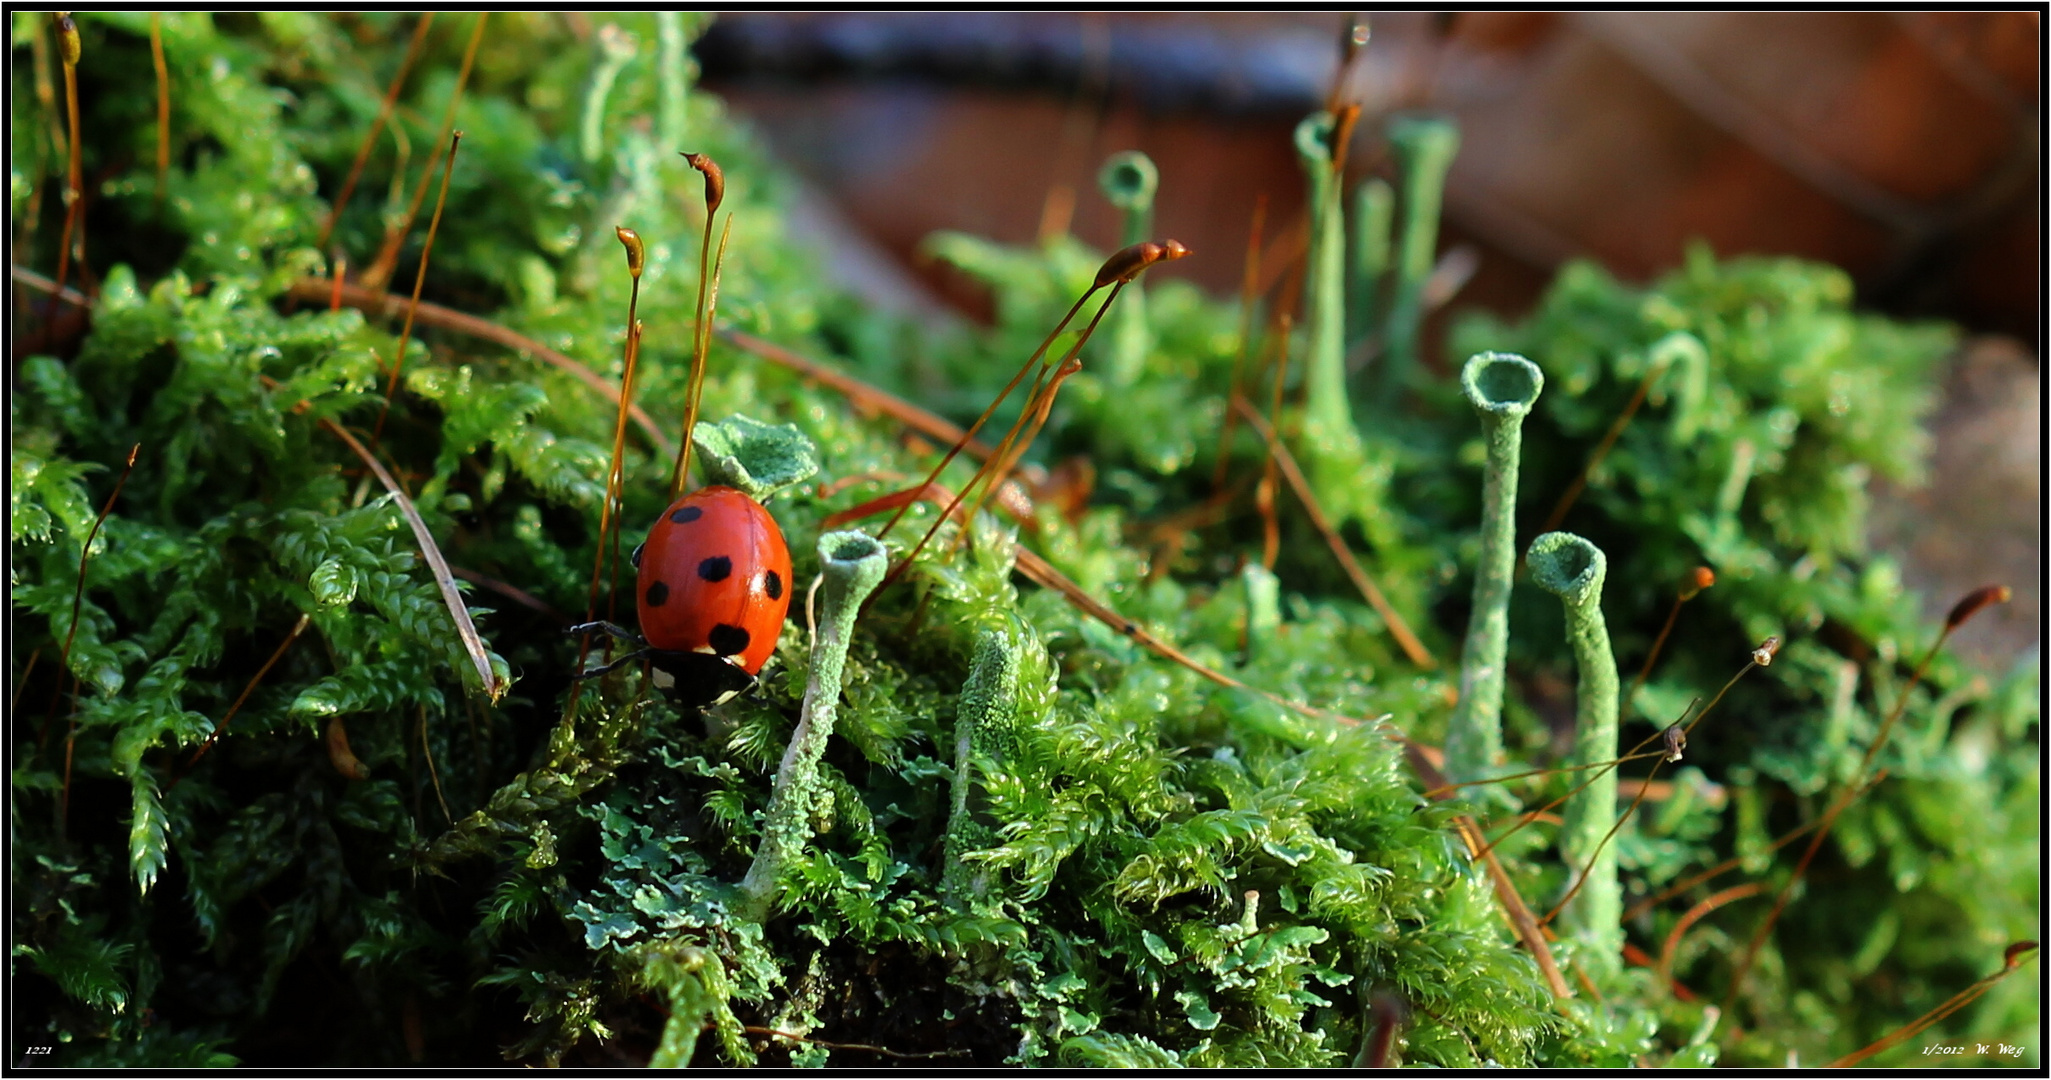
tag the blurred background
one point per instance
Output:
(1905, 147)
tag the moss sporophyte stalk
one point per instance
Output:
(1128, 181)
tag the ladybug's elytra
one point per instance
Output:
(712, 589)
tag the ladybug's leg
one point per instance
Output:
(636, 655)
(603, 627)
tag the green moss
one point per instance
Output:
(1161, 869)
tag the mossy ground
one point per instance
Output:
(1174, 872)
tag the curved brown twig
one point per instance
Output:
(444, 579)
(861, 394)
(1400, 630)
(364, 299)
(1696, 914)
(2011, 959)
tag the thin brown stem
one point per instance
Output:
(1581, 879)
(709, 297)
(1528, 930)
(617, 482)
(163, 103)
(1398, 629)
(419, 279)
(1601, 451)
(427, 751)
(1726, 866)
(74, 184)
(70, 635)
(1632, 755)
(1044, 574)
(1696, 914)
(384, 113)
(1701, 579)
(998, 465)
(863, 1047)
(1830, 814)
(1447, 789)
(614, 473)
(701, 340)
(517, 595)
(14, 707)
(222, 727)
(1034, 417)
(866, 398)
(991, 408)
(366, 299)
(2010, 960)
(395, 238)
(466, 628)
(1247, 301)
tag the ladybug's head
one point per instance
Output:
(698, 680)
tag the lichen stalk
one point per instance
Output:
(616, 48)
(672, 77)
(985, 728)
(1325, 400)
(1572, 569)
(1424, 147)
(853, 563)
(1331, 446)
(1374, 209)
(1502, 387)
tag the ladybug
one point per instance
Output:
(712, 587)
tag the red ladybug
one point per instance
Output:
(712, 590)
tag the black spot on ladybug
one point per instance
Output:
(657, 593)
(635, 558)
(715, 568)
(772, 585)
(687, 514)
(727, 640)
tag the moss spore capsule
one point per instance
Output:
(715, 180)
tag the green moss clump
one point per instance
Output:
(1076, 853)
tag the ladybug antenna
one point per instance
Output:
(419, 279)
(708, 301)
